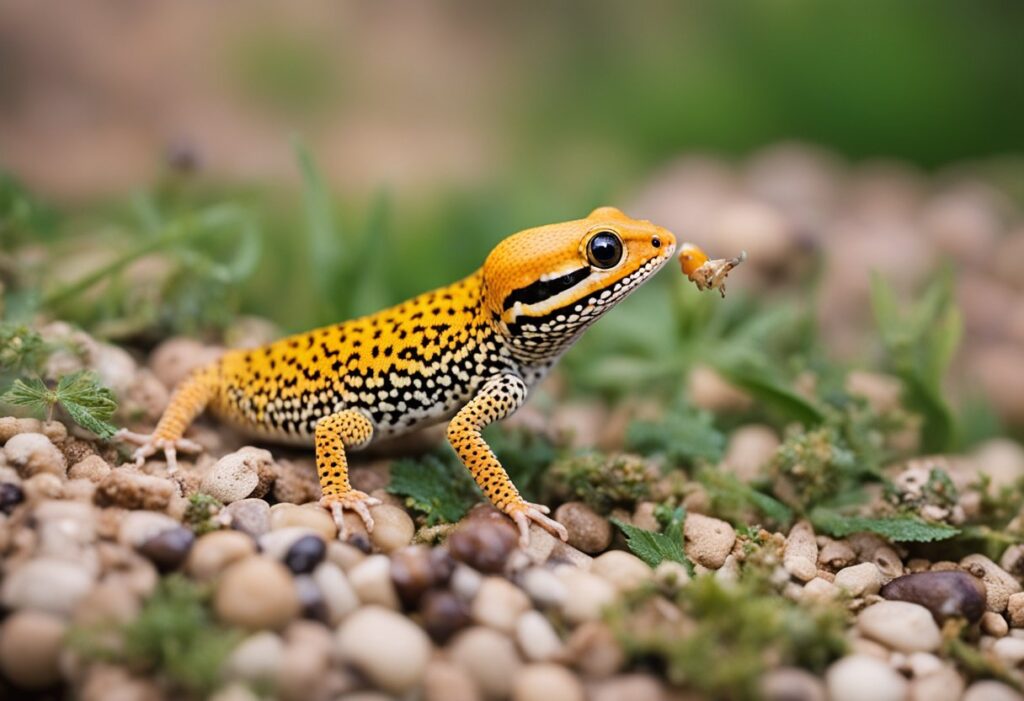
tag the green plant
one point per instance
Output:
(439, 488)
(87, 402)
(653, 547)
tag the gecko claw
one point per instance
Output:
(149, 445)
(357, 501)
(524, 512)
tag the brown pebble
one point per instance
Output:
(417, 568)
(588, 530)
(483, 542)
(30, 647)
(946, 594)
(444, 614)
(168, 549)
(130, 489)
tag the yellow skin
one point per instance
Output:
(468, 353)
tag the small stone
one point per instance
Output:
(11, 426)
(250, 516)
(444, 614)
(588, 530)
(139, 526)
(340, 598)
(236, 475)
(256, 593)
(305, 554)
(537, 638)
(800, 557)
(544, 587)
(498, 604)
(10, 496)
(168, 549)
(344, 555)
(1015, 608)
(91, 467)
(888, 562)
(1010, 650)
(859, 580)
(42, 486)
(34, 453)
(944, 684)
(257, 658)
(541, 682)
(820, 589)
(213, 552)
(311, 516)
(901, 626)
(862, 678)
(671, 575)
(129, 489)
(385, 646)
(946, 593)
(46, 584)
(587, 595)
(708, 540)
(30, 647)
(483, 542)
(750, 448)
(465, 582)
(371, 580)
(445, 681)
(988, 690)
(634, 687)
(994, 624)
(792, 684)
(417, 568)
(999, 584)
(836, 554)
(594, 651)
(392, 527)
(622, 570)
(108, 602)
(489, 657)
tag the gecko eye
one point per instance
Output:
(605, 250)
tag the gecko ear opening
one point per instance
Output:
(607, 213)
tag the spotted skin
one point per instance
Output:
(469, 353)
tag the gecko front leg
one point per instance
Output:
(498, 398)
(333, 435)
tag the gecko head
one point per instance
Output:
(551, 282)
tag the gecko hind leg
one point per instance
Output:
(334, 434)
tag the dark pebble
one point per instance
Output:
(444, 614)
(305, 554)
(947, 594)
(484, 542)
(417, 568)
(169, 549)
(311, 599)
(10, 496)
(361, 541)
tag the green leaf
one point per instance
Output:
(89, 403)
(896, 528)
(685, 435)
(728, 492)
(443, 492)
(769, 390)
(654, 548)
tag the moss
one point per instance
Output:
(602, 481)
(730, 634)
(174, 636)
(201, 512)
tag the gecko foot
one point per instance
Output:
(357, 501)
(523, 512)
(150, 445)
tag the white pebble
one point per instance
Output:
(988, 690)
(859, 580)
(34, 453)
(862, 678)
(498, 604)
(256, 658)
(588, 594)
(708, 541)
(387, 647)
(371, 580)
(537, 638)
(800, 557)
(489, 657)
(944, 684)
(1010, 649)
(622, 570)
(901, 626)
(339, 596)
(236, 475)
(46, 584)
(544, 587)
(543, 682)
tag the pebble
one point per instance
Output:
(708, 540)
(137, 527)
(587, 594)
(213, 552)
(256, 593)
(634, 687)
(944, 684)
(1010, 650)
(30, 647)
(250, 516)
(622, 570)
(129, 489)
(489, 658)
(836, 554)
(593, 649)
(859, 580)
(303, 666)
(33, 454)
(988, 690)
(46, 584)
(169, 549)
(820, 589)
(671, 575)
(994, 624)
(257, 658)
(588, 530)
(537, 638)
(311, 516)
(901, 626)
(863, 678)
(91, 467)
(498, 604)
(344, 555)
(483, 542)
(340, 598)
(466, 582)
(999, 584)
(542, 682)
(417, 568)
(10, 496)
(544, 587)
(236, 475)
(791, 684)
(750, 448)
(42, 486)
(392, 527)
(305, 554)
(11, 426)
(1015, 608)
(371, 580)
(1013, 560)
(108, 602)
(445, 681)
(387, 647)
(444, 614)
(946, 593)
(800, 557)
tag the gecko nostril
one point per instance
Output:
(656, 242)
